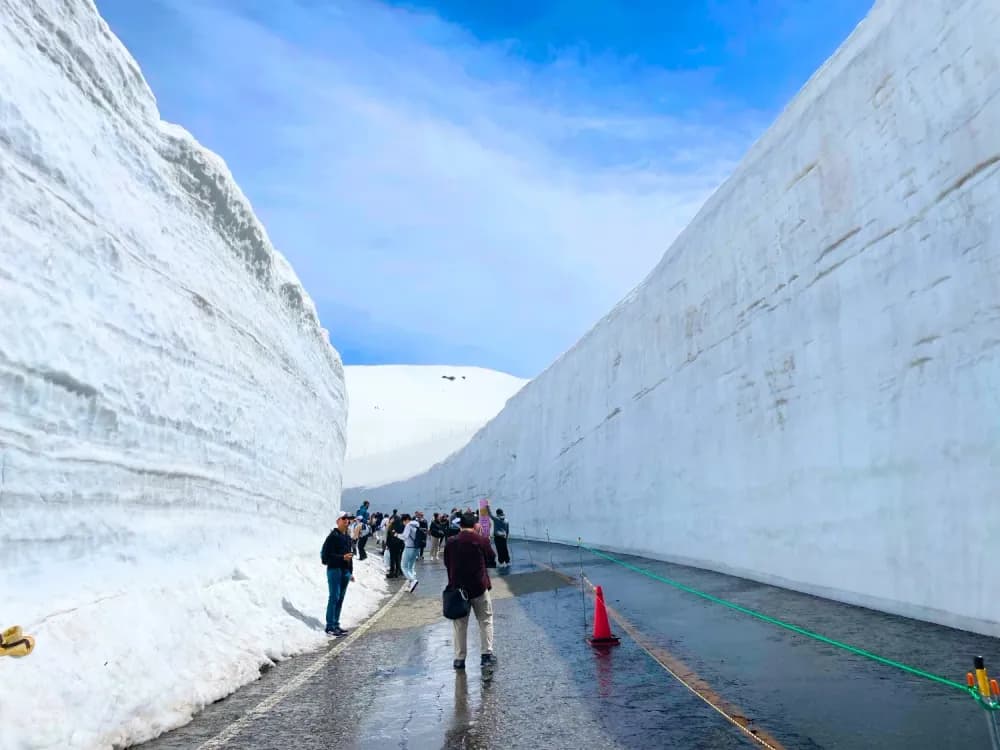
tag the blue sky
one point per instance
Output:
(476, 182)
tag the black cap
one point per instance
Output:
(978, 662)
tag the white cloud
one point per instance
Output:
(441, 187)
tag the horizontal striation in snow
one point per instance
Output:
(805, 390)
(172, 414)
(156, 351)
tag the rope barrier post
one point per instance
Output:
(551, 564)
(583, 594)
(528, 545)
(988, 698)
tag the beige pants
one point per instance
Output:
(482, 606)
(435, 547)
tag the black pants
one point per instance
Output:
(503, 553)
(395, 557)
(361, 548)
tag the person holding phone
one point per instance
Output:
(339, 561)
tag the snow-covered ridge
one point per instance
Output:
(406, 418)
(172, 415)
(804, 390)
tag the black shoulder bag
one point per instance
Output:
(455, 604)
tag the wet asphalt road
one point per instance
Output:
(805, 693)
(395, 687)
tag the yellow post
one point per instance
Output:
(982, 679)
(983, 684)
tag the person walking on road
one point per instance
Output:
(410, 550)
(436, 531)
(501, 531)
(383, 531)
(466, 556)
(336, 556)
(395, 545)
(422, 536)
(354, 531)
(364, 531)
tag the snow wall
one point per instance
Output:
(172, 415)
(406, 418)
(806, 390)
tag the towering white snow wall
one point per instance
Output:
(172, 415)
(806, 390)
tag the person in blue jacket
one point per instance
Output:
(363, 511)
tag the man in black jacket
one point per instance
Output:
(437, 535)
(396, 545)
(339, 564)
(424, 526)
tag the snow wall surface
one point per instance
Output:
(406, 418)
(806, 390)
(172, 415)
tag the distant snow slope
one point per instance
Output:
(171, 412)
(806, 389)
(406, 418)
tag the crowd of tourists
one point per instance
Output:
(460, 539)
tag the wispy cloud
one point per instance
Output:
(440, 197)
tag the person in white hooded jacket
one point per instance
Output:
(410, 551)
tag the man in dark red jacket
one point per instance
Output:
(466, 557)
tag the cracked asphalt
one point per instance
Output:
(395, 686)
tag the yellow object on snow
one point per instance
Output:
(14, 643)
(11, 634)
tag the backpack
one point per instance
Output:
(420, 538)
(322, 553)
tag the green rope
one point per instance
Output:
(801, 631)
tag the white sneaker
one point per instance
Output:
(413, 585)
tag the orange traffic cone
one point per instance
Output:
(602, 629)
